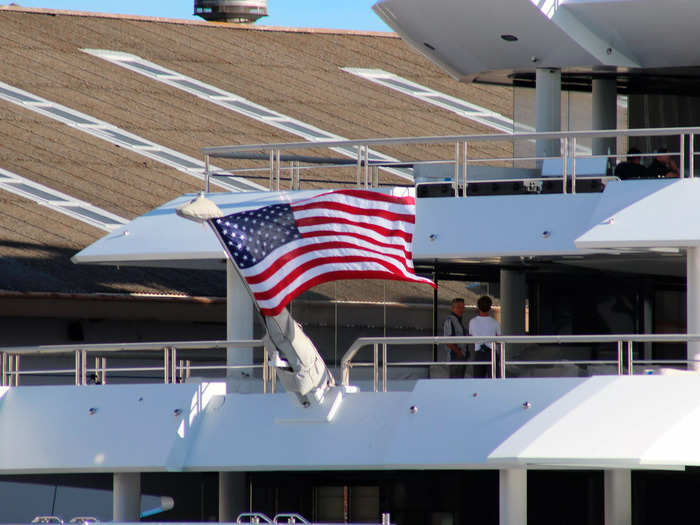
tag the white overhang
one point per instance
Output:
(613, 422)
(162, 238)
(646, 214)
(643, 421)
(464, 36)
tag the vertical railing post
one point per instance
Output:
(103, 375)
(691, 155)
(3, 369)
(384, 367)
(465, 160)
(265, 369)
(16, 370)
(366, 173)
(375, 372)
(166, 366)
(493, 361)
(83, 366)
(206, 173)
(681, 162)
(502, 347)
(272, 168)
(619, 357)
(77, 367)
(10, 364)
(573, 164)
(455, 179)
(277, 170)
(630, 360)
(564, 145)
(173, 365)
(359, 166)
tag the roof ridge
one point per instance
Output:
(183, 21)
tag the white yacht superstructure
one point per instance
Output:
(582, 252)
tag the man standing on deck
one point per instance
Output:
(454, 326)
(483, 325)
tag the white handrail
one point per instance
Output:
(502, 341)
(221, 151)
(568, 141)
(173, 370)
(10, 356)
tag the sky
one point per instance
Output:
(330, 14)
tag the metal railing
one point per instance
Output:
(289, 518)
(367, 170)
(172, 369)
(625, 361)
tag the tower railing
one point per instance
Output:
(293, 158)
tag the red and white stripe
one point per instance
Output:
(346, 234)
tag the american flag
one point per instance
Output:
(284, 249)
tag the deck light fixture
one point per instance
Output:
(509, 38)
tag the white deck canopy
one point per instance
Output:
(645, 216)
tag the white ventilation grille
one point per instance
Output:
(123, 138)
(239, 104)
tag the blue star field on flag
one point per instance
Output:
(251, 235)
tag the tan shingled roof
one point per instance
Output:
(295, 72)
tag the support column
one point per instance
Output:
(604, 113)
(233, 494)
(693, 304)
(618, 496)
(512, 497)
(548, 109)
(239, 325)
(126, 497)
(513, 297)
(648, 326)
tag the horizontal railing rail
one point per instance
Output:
(173, 370)
(624, 342)
(367, 168)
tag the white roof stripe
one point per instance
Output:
(458, 106)
(238, 104)
(60, 202)
(116, 135)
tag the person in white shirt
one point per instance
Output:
(483, 325)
